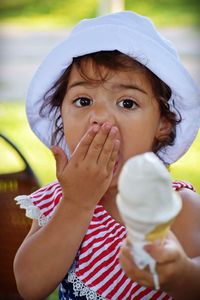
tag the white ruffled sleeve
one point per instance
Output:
(42, 204)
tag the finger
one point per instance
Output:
(114, 155)
(126, 251)
(60, 158)
(108, 147)
(131, 269)
(164, 252)
(126, 261)
(98, 142)
(85, 142)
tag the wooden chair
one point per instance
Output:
(14, 225)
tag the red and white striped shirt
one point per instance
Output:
(97, 271)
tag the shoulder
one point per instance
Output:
(180, 185)
(46, 195)
(190, 198)
(42, 203)
(187, 224)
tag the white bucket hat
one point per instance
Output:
(135, 36)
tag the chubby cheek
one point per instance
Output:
(135, 143)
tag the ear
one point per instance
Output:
(164, 129)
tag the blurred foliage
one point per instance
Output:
(46, 12)
(67, 12)
(11, 160)
(53, 296)
(168, 12)
(14, 125)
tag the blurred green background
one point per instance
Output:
(60, 13)
(38, 14)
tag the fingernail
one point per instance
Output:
(114, 130)
(106, 125)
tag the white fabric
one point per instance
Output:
(145, 194)
(133, 35)
(146, 200)
(32, 211)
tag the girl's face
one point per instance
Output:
(125, 99)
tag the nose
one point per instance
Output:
(100, 115)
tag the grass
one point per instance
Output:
(168, 12)
(53, 296)
(14, 125)
(36, 13)
(62, 13)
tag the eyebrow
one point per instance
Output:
(132, 87)
(77, 83)
(120, 85)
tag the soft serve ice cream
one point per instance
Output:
(148, 205)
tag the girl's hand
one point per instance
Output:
(87, 175)
(173, 266)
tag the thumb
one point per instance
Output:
(163, 252)
(60, 158)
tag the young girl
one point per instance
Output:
(115, 88)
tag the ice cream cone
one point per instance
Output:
(145, 198)
(147, 203)
(159, 233)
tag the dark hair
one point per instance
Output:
(114, 61)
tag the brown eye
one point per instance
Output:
(128, 104)
(82, 101)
